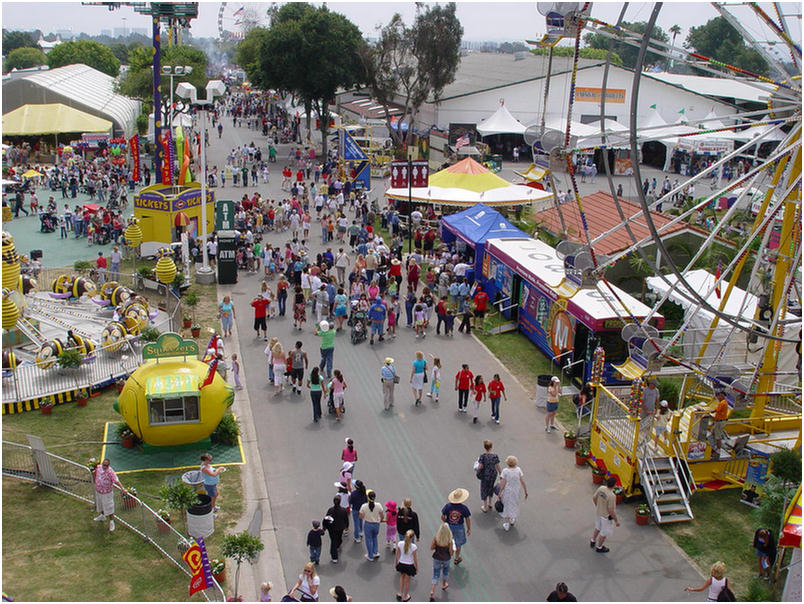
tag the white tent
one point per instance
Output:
(617, 135)
(502, 122)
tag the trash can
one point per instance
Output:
(195, 479)
(227, 261)
(200, 517)
(542, 382)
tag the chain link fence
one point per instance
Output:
(26, 463)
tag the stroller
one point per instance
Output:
(331, 403)
(47, 222)
(359, 323)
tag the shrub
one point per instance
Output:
(70, 359)
(227, 431)
(786, 465)
(142, 124)
(669, 390)
(149, 334)
(82, 265)
(775, 494)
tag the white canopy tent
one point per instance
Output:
(501, 122)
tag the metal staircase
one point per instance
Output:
(668, 486)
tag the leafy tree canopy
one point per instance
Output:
(408, 65)
(13, 40)
(247, 55)
(627, 52)
(89, 53)
(584, 53)
(719, 40)
(23, 58)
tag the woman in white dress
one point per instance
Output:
(511, 479)
(278, 360)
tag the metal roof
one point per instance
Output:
(91, 88)
(716, 87)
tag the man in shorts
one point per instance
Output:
(298, 359)
(481, 301)
(605, 515)
(105, 479)
(260, 304)
(376, 315)
(456, 514)
(719, 417)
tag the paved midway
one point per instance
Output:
(424, 453)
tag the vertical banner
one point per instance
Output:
(157, 73)
(197, 559)
(134, 148)
(167, 158)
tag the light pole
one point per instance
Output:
(171, 72)
(187, 91)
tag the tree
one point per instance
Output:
(718, 40)
(241, 547)
(247, 55)
(13, 40)
(311, 52)
(90, 53)
(138, 80)
(675, 30)
(583, 53)
(628, 52)
(408, 65)
(23, 58)
(121, 50)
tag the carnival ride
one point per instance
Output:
(235, 19)
(763, 390)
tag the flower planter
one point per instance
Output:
(46, 409)
(196, 332)
(642, 519)
(221, 576)
(569, 443)
(598, 478)
(130, 502)
(580, 460)
(128, 442)
(82, 402)
(187, 323)
(162, 525)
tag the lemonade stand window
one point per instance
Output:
(172, 399)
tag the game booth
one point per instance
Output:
(163, 211)
(470, 229)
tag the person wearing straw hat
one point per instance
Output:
(456, 515)
(388, 378)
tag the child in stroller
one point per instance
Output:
(359, 322)
(47, 222)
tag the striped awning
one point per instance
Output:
(791, 533)
(171, 385)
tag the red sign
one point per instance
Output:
(409, 173)
(134, 147)
(167, 160)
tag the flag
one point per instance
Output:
(197, 559)
(238, 11)
(683, 111)
(718, 273)
(213, 366)
(462, 142)
(653, 106)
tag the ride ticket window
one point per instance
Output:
(181, 409)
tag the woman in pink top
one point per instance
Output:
(338, 385)
(373, 290)
(349, 452)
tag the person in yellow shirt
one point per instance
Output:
(719, 417)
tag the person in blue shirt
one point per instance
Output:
(456, 515)
(454, 292)
(410, 302)
(376, 315)
(463, 291)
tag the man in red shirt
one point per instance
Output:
(260, 304)
(463, 384)
(100, 264)
(481, 300)
(441, 312)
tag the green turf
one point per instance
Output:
(166, 458)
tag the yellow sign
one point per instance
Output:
(594, 95)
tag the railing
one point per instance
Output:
(30, 381)
(684, 470)
(612, 416)
(74, 479)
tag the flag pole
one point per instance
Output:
(410, 203)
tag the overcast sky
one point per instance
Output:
(481, 20)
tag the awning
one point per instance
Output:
(171, 385)
(791, 532)
(56, 118)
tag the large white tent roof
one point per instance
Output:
(717, 87)
(501, 122)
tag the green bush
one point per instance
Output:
(775, 494)
(142, 124)
(82, 265)
(227, 431)
(757, 591)
(70, 359)
(149, 334)
(669, 390)
(786, 464)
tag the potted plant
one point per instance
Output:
(127, 437)
(82, 397)
(178, 496)
(163, 521)
(130, 500)
(46, 407)
(187, 321)
(218, 567)
(195, 330)
(642, 514)
(144, 274)
(69, 359)
(149, 334)
(569, 439)
(619, 492)
(581, 453)
(191, 301)
(598, 474)
(241, 547)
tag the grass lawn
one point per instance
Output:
(79, 550)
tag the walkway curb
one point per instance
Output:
(269, 565)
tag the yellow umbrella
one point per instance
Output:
(31, 173)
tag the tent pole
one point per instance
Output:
(410, 202)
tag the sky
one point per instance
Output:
(497, 21)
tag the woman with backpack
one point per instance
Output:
(717, 583)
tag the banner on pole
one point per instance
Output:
(134, 147)
(414, 174)
(197, 559)
(167, 159)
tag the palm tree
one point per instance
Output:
(675, 30)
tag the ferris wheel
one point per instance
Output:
(236, 19)
(759, 221)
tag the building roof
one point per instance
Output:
(368, 108)
(31, 120)
(717, 87)
(481, 71)
(80, 86)
(602, 216)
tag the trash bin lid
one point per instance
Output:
(192, 477)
